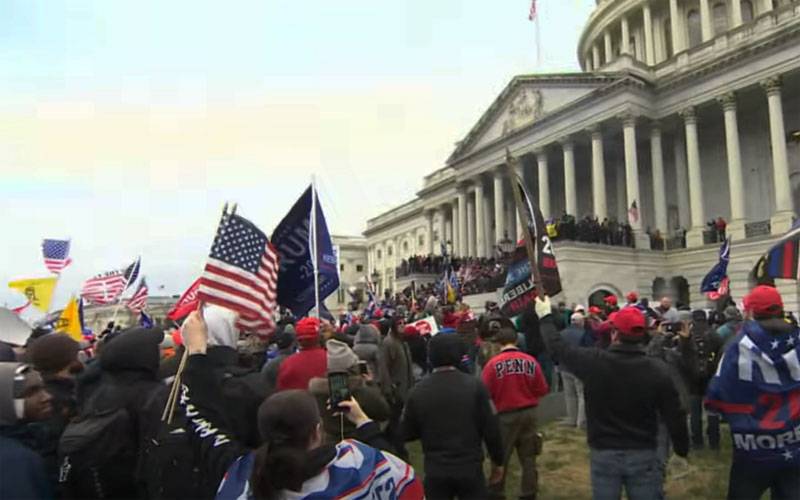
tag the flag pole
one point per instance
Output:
(511, 163)
(119, 299)
(314, 242)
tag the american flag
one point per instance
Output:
(107, 287)
(56, 255)
(532, 12)
(633, 213)
(242, 274)
(138, 301)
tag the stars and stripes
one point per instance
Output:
(56, 255)
(107, 287)
(138, 301)
(633, 213)
(532, 11)
(241, 274)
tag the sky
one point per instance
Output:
(126, 125)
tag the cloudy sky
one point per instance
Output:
(126, 125)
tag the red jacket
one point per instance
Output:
(515, 380)
(298, 369)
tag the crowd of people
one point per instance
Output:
(474, 275)
(590, 229)
(325, 409)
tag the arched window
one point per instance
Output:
(668, 38)
(747, 11)
(695, 30)
(720, 11)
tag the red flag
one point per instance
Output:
(186, 304)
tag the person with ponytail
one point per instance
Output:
(292, 461)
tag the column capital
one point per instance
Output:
(655, 128)
(728, 101)
(772, 84)
(689, 115)
(477, 182)
(567, 142)
(628, 119)
(596, 130)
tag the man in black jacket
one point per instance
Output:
(626, 393)
(450, 412)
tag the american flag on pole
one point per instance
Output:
(138, 301)
(633, 213)
(532, 12)
(56, 255)
(241, 273)
(106, 288)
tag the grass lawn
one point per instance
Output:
(564, 469)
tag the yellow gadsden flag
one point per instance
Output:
(70, 321)
(39, 291)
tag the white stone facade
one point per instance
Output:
(353, 269)
(691, 108)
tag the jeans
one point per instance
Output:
(518, 431)
(749, 483)
(696, 424)
(636, 470)
(461, 487)
(573, 395)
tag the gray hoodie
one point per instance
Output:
(365, 346)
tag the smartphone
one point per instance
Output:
(339, 390)
(363, 369)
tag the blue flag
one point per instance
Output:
(296, 275)
(716, 276)
(145, 321)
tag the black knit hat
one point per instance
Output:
(446, 350)
(53, 352)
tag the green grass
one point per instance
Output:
(564, 469)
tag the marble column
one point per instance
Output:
(520, 172)
(681, 179)
(659, 184)
(675, 27)
(429, 220)
(499, 211)
(544, 182)
(471, 233)
(632, 179)
(570, 188)
(598, 174)
(595, 57)
(511, 217)
(587, 64)
(488, 230)
(480, 233)
(462, 223)
(649, 49)
(607, 46)
(736, 13)
(454, 238)
(781, 219)
(442, 231)
(735, 176)
(625, 43)
(705, 21)
(694, 237)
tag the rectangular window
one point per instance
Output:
(341, 268)
(359, 268)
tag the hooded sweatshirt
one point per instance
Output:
(366, 346)
(757, 390)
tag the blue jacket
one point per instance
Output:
(22, 474)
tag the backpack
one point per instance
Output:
(98, 455)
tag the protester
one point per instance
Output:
(365, 346)
(516, 383)
(450, 412)
(730, 328)
(297, 370)
(102, 447)
(341, 359)
(285, 343)
(292, 461)
(574, 335)
(665, 311)
(626, 393)
(23, 401)
(756, 391)
(396, 380)
(707, 347)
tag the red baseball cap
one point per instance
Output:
(595, 310)
(629, 322)
(632, 296)
(307, 328)
(763, 301)
(610, 300)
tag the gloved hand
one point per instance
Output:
(543, 307)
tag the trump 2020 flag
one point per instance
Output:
(293, 242)
(782, 260)
(715, 284)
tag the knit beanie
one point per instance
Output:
(307, 331)
(446, 350)
(340, 357)
(53, 352)
(731, 313)
(285, 338)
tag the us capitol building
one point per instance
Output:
(690, 108)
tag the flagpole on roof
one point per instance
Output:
(313, 236)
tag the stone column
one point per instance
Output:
(675, 26)
(471, 233)
(429, 220)
(607, 46)
(499, 211)
(454, 238)
(735, 175)
(511, 217)
(587, 63)
(705, 21)
(659, 185)
(519, 170)
(736, 13)
(625, 43)
(595, 56)
(694, 237)
(488, 230)
(681, 179)
(462, 223)
(442, 230)
(781, 219)
(480, 221)
(649, 49)
(632, 179)
(544, 183)
(598, 174)
(570, 189)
